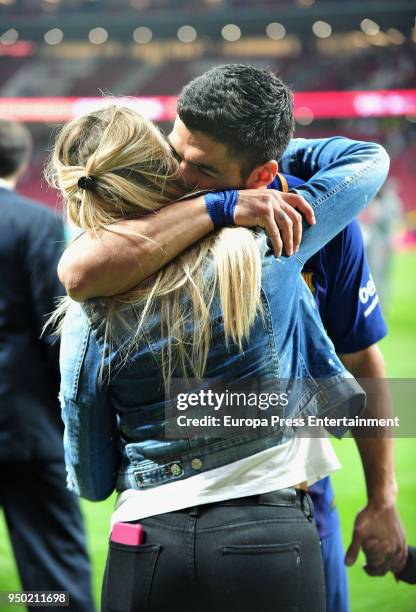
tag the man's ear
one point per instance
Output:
(262, 175)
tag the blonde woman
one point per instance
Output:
(227, 523)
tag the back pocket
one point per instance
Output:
(128, 577)
(263, 577)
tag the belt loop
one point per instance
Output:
(307, 505)
(194, 511)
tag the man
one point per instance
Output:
(42, 516)
(232, 126)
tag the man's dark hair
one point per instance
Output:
(250, 110)
(15, 147)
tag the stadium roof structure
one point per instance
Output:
(251, 18)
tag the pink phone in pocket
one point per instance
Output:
(127, 533)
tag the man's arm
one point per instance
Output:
(107, 263)
(379, 522)
(354, 322)
(111, 262)
(44, 246)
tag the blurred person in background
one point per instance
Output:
(43, 518)
(222, 138)
(379, 223)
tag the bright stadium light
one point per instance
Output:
(50, 5)
(187, 34)
(322, 29)
(360, 40)
(98, 36)
(9, 37)
(304, 115)
(395, 36)
(139, 4)
(370, 27)
(54, 36)
(276, 31)
(231, 32)
(142, 35)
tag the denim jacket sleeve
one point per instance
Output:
(343, 177)
(90, 440)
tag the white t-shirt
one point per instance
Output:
(299, 460)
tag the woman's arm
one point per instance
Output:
(90, 435)
(347, 176)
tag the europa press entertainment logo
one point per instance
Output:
(366, 293)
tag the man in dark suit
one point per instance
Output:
(42, 516)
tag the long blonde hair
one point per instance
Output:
(134, 172)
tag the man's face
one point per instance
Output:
(204, 162)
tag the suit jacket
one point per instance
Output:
(31, 243)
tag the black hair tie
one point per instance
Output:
(86, 182)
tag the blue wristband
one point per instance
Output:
(220, 206)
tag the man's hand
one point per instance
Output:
(112, 262)
(379, 532)
(278, 213)
(377, 528)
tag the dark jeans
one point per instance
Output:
(258, 553)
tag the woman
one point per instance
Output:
(227, 522)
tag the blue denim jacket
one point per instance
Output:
(114, 432)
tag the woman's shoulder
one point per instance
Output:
(78, 335)
(75, 318)
(74, 341)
